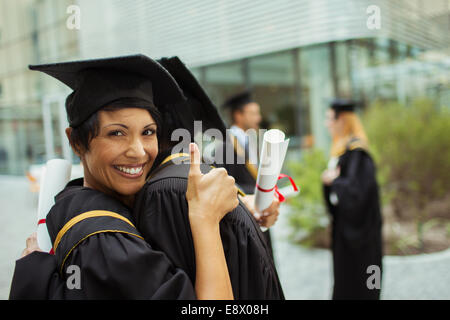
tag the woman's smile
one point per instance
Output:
(130, 171)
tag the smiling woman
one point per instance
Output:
(120, 150)
(114, 121)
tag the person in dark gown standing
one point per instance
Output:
(352, 198)
(161, 215)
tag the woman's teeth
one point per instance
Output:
(129, 170)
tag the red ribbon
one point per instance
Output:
(280, 197)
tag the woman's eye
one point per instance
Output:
(115, 133)
(148, 132)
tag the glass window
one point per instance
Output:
(21, 139)
(363, 75)
(222, 81)
(273, 85)
(384, 69)
(342, 67)
(316, 90)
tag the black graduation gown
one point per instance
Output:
(162, 217)
(199, 106)
(114, 261)
(356, 226)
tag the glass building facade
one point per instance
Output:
(294, 55)
(294, 87)
(30, 105)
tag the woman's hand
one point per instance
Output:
(31, 245)
(210, 196)
(329, 175)
(269, 216)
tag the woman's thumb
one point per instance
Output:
(195, 159)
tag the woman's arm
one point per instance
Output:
(210, 197)
(111, 265)
(351, 188)
(212, 281)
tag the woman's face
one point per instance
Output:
(121, 156)
(332, 124)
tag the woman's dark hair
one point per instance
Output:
(81, 136)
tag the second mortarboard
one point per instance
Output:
(199, 106)
(340, 105)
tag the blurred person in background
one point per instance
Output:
(3, 159)
(352, 198)
(246, 115)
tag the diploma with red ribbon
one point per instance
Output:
(56, 174)
(273, 152)
(278, 194)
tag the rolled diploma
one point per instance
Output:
(272, 157)
(55, 177)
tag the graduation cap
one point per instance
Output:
(96, 83)
(340, 105)
(196, 107)
(237, 101)
(202, 108)
(199, 105)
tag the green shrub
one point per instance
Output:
(411, 147)
(308, 217)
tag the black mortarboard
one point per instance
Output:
(98, 82)
(237, 101)
(198, 104)
(340, 105)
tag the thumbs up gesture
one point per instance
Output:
(210, 196)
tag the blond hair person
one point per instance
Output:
(352, 199)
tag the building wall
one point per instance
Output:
(296, 55)
(31, 32)
(232, 44)
(205, 32)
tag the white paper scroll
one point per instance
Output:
(55, 177)
(272, 157)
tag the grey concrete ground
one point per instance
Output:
(304, 273)
(18, 207)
